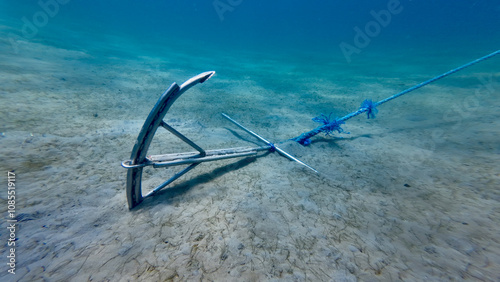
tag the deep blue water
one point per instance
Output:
(281, 26)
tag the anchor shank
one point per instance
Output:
(214, 155)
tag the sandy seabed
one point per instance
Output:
(412, 195)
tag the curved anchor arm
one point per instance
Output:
(153, 121)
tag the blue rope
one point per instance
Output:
(371, 108)
(437, 78)
(273, 148)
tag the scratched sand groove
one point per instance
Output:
(72, 122)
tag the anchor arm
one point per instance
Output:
(153, 121)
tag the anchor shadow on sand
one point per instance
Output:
(174, 194)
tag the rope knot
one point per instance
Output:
(371, 108)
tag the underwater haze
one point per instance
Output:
(409, 194)
(276, 27)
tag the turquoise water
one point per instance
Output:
(411, 195)
(392, 27)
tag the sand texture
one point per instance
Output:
(409, 196)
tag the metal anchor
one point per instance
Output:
(139, 159)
